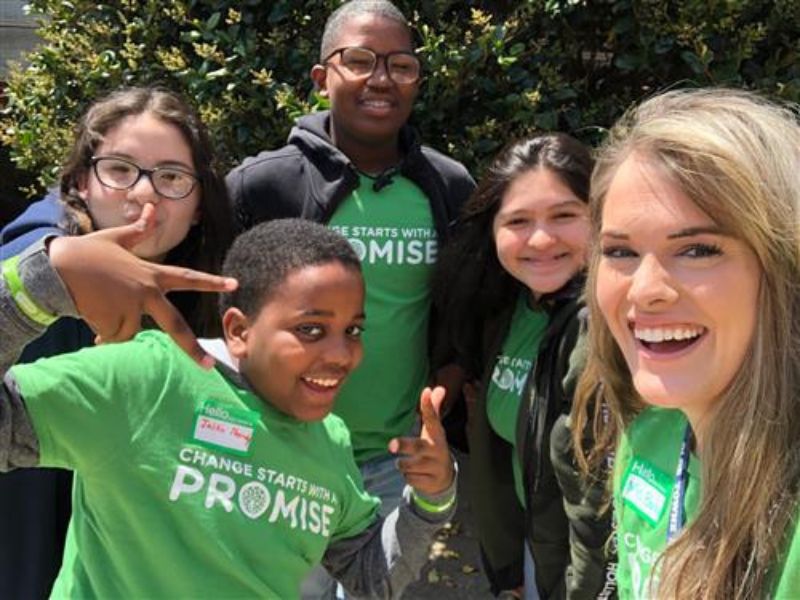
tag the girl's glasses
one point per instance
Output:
(121, 174)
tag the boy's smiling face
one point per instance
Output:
(299, 348)
(370, 110)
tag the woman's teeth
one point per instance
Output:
(666, 334)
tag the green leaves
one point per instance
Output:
(491, 75)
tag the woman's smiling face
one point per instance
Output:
(678, 293)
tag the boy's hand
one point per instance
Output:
(426, 463)
(112, 288)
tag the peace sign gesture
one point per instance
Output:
(112, 288)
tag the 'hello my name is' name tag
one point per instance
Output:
(645, 489)
(221, 426)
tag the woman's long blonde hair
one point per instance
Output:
(737, 156)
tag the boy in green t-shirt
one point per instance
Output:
(211, 482)
(360, 168)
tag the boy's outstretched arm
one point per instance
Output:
(381, 561)
(92, 276)
(96, 277)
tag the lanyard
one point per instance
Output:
(677, 511)
(606, 415)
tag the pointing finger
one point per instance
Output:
(430, 404)
(407, 446)
(173, 279)
(437, 399)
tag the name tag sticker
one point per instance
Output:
(646, 489)
(220, 426)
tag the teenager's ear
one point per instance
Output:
(82, 185)
(235, 327)
(319, 75)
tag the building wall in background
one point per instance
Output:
(17, 32)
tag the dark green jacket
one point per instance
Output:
(562, 526)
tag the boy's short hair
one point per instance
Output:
(262, 257)
(356, 8)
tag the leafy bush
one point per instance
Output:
(494, 70)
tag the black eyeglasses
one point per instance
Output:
(402, 67)
(121, 174)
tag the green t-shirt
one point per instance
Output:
(788, 586)
(186, 484)
(509, 375)
(393, 234)
(644, 476)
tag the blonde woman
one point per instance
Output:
(693, 289)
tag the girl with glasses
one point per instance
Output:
(135, 147)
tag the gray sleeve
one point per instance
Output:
(18, 444)
(382, 560)
(45, 287)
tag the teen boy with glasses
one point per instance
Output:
(360, 168)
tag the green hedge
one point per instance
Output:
(494, 70)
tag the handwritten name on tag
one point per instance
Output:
(225, 427)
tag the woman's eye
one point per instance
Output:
(355, 331)
(702, 251)
(310, 331)
(617, 252)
